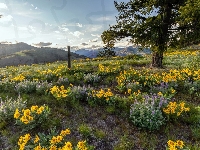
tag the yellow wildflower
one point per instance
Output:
(36, 139)
(59, 138)
(17, 114)
(53, 140)
(179, 143)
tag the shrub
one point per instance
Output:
(6, 85)
(148, 114)
(8, 107)
(26, 86)
(166, 89)
(85, 130)
(31, 118)
(78, 93)
(62, 81)
(91, 78)
(135, 86)
(43, 87)
(193, 88)
(101, 97)
(173, 110)
(59, 92)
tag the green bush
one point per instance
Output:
(8, 107)
(26, 86)
(28, 119)
(148, 114)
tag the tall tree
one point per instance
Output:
(157, 24)
(109, 41)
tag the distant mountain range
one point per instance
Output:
(92, 53)
(24, 54)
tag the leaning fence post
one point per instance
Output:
(69, 61)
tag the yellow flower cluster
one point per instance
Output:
(81, 145)
(173, 108)
(102, 93)
(78, 66)
(137, 93)
(59, 92)
(104, 69)
(27, 114)
(183, 53)
(23, 140)
(18, 78)
(57, 71)
(174, 145)
(174, 75)
(54, 142)
(160, 94)
(57, 139)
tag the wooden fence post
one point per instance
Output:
(69, 60)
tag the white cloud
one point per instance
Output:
(97, 35)
(95, 46)
(94, 40)
(76, 33)
(28, 14)
(6, 19)
(63, 28)
(41, 44)
(23, 28)
(93, 28)
(84, 44)
(79, 25)
(103, 19)
(36, 8)
(3, 6)
(63, 25)
(31, 28)
(74, 47)
(57, 31)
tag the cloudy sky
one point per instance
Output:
(77, 23)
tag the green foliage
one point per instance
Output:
(189, 21)
(106, 52)
(6, 85)
(29, 119)
(156, 24)
(26, 86)
(124, 144)
(180, 80)
(43, 87)
(91, 78)
(100, 133)
(77, 94)
(101, 97)
(108, 40)
(8, 107)
(193, 88)
(191, 117)
(148, 114)
(142, 115)
(85, 130)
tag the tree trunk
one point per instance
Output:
(157, 58)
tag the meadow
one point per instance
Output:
(118, 103)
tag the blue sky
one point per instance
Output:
(77, 23)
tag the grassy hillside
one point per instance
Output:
(24, 54)
(103, 104)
